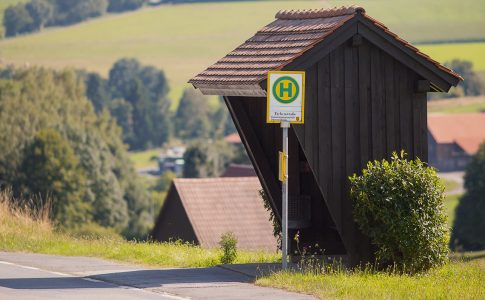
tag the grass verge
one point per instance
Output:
(20, 231)
(456, 280)
(457, 105)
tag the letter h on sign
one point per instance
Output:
(288, 89)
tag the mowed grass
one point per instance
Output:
(20, 232)
(456, 280)
(185, 39)
(145, 159)
(474, 52)
(451, 202)
(450, 185)
(457, 105)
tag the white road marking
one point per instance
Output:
(92, 280)
(165, 294)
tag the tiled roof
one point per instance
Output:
(233, 138)
(238, 170)
(466, 130)
(218, 205)
(279, 43)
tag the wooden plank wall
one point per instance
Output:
(365, 108)
(360, 106)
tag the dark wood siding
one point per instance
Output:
(172, 222)
(360, 106)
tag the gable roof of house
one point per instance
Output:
(233, 138)
(215, 206)
(239, 170)
(466, 130)
(278, 44)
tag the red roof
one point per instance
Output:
(233, 138)
(279, 43)
(215, 206)
(239, 170)
(466, 130)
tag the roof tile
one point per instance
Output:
(282, 41)
(466, 130)
(219, 205)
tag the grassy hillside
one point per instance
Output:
(474, 52)
(184, 39)
(458, 105)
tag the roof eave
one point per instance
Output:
(253, 90)
(441, 81)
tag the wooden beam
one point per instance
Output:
(356, 40)
(422, 86)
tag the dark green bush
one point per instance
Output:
(399, 205)
(469, 225)
(228, 245)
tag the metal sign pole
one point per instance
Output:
(284, 193)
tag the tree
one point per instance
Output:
(17, 20)
(164, 181)
(74, 11)
(41, 12)
(124, 5)
(35, 99)
(122, 111)
(51, 171)
(97, 91)
(192, 116)
(145, 89)
(469, 222)
(472, 85)
(207, 158)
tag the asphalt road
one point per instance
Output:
(39, 276)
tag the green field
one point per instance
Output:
(451, 202)
(474, 52)
(457, 105)
(145, 159)
(185, 39)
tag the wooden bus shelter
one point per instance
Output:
(365, 98)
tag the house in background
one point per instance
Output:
(172, 160)
(453, 139)
(200, 210)
(239, 170)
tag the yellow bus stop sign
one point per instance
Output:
(286, 97)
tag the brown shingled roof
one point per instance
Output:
(279, 43)
(215, 206)
(466, 130)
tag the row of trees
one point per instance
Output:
(37, 14)
(54, 146)
(472, 85)
(136, 96)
